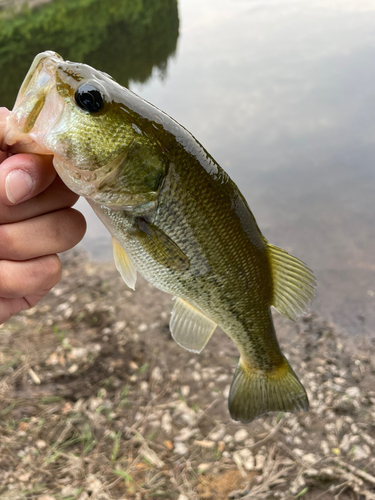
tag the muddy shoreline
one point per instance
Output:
(97, 401)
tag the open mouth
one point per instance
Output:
(25, 125)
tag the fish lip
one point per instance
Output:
(43, 66)
(38, 82)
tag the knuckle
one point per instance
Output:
(8, 244)
(70, 228)
(50, 271)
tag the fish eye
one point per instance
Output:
(89, 98)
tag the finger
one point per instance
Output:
(55, 197)
(23, 176)
(50, 233)
(8, 307)
(4, 112)
(32, 277)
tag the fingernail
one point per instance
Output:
(18, 184)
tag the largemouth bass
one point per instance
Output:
(175, 217)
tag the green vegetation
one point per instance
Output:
(125, 38)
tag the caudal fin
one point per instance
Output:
(255, 392)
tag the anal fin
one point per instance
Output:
(293, 283)
(190, 328)
(124, 265)
(256, 392)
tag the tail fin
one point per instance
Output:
(254, 392)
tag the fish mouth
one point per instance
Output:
(37, 107)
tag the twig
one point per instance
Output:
(274, 431)
(360, 473)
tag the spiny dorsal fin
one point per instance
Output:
(123, 265)
(293, 283)
(190, 328)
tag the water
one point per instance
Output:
(281, 93)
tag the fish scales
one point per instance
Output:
(175, 217)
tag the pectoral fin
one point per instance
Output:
(190, 328)
(161, 247)
(293, 283)
(124, 265)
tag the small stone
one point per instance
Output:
(180, 448)
(339, 380)
(151, 456)
(220, 446)
(354, 428)
(296, 485)
(93, 483)
(46, 497)
(185, 390)
(53, 359)
(205, 443)
(189, 416)
(168, 445)
(40, 444)
(369, 440)
(142, 327)
(203, 467)
(360, 453)
(228, 438)
(68, 312)
(24, 477)
(311, 472)
(327, 473)
(241, 435)
(144, 387)
(119, 326)
(226, 391)
(345, 443)
(354, 439)
(185, 434)
(183, 497)
(353, 392)
(78, 352)
(309, 458)
(166, 422)
(260, 460)
(298, 452)
(67, 491)
(217, 435)
(248, 459)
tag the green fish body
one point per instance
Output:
(175, 217)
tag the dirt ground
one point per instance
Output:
(98, 402)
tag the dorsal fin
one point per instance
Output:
(293, 283)
(190, 328)
(124, 265)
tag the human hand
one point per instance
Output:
(36, 223)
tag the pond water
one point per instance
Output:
(281, 93)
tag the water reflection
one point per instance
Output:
(281, 93)
(127, 39)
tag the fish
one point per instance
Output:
(175, 217)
